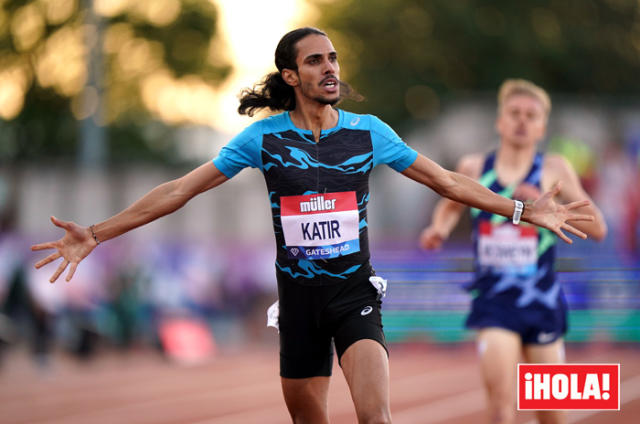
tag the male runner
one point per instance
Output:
(518, 306)
(316, 161)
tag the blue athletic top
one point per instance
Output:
(513, 264)
(318, 191)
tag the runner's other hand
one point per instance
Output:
(76, 244)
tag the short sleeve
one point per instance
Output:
(388, 147)
(241, 152)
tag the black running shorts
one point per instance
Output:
(311, 317)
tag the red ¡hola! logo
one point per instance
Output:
(568, 386)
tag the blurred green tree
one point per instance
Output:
(119, 63)
(408, 56)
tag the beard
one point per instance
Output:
(327, 101)
(307, 92)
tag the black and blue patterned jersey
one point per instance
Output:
(514, 263)
(318, 191)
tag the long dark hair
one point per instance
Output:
(273, 92)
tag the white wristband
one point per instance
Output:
(517, 212)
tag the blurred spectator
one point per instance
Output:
(74, 305)
(619, 194)
(23, 318)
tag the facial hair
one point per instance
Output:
(323, 100)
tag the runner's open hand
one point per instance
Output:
(76, 244)
(546, 213)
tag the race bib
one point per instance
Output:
(320, 226)
(507, 246)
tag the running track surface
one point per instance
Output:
(429, 384)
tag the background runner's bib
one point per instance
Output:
(320, 226)
(513, 265)
(507, 246)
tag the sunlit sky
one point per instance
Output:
(249, 31)
(252, 29)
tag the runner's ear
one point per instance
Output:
(290, 77)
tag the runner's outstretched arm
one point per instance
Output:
(544, 212)
(166, 198)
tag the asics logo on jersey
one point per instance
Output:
(355, 121)
(366, 311)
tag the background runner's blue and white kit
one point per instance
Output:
(318, 191)
(515, 285)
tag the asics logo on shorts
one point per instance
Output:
(366, 311)
(544, 337)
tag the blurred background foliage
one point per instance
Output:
(136, 70)
(409, 56)
(114, 63)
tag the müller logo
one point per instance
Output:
(568, 386)
(318, 204)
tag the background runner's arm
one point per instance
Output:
(557, 168)
(447, 213)
(544, 212)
